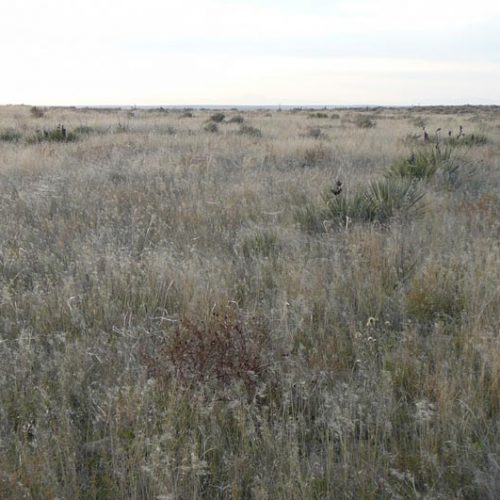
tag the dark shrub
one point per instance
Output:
(249, 130)
(211, 127)
(217, 117)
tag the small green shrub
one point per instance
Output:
(418, 166)
(211, 127)
(249, 130)
(57, 134)
(318, 115)
(10, 135)
(218, 117)
(363, 121)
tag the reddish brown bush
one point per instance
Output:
(225, 349)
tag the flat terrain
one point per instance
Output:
(296, 304)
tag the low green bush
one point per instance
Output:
(218, 117)
(211, 127)
(10, 135)
(57, 134)
(249, 130)
(318, 115)
(362, 121)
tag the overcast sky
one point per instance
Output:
(154, 52)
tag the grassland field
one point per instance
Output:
(259, 304)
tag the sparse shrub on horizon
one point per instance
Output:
(363, 121)
(318, 115)
(218, 117)
(249, 130)
(37, 112)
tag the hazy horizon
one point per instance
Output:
(250, 107)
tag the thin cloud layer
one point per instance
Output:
(250, 52)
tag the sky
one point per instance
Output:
(249, 52)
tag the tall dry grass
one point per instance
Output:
(179, 317)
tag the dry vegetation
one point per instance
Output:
(194, 307)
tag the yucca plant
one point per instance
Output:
(423, 164)
(345, 207)
(418, 166)
(390, 197)
(380, 202)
